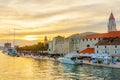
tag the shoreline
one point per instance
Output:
(40, 57)
(84, 61)
(103, 65)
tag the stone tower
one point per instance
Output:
(111, 23)
(45, 40)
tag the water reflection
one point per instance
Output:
(18, 68)
(106, 73)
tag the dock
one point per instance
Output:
(117, 65)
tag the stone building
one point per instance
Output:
(61, 45)
(7, 45)
(56, 45)
(108, 45)
(89, 41)
(82, 42)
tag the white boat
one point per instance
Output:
(72, 58)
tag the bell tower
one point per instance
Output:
(111, 23)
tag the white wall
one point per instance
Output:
(85, 42)
(66, 46)
(110, 49)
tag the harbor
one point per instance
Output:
(38, 57)
(59, 40)
(21, 68)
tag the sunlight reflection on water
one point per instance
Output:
(18, 68)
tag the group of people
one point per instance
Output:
(113, 60)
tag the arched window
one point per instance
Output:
(88, 45)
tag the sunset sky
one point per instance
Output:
(34, 19)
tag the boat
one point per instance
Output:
(72, 58)
(11, 52)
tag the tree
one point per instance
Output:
(36, 47)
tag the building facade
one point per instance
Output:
(7, 45)
(56, 45)
(80, 42)
(108, 45)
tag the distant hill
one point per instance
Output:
(80, 35)
(87, 33)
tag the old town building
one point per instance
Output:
(89, 41)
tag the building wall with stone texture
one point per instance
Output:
(87, 43)
(109, 49)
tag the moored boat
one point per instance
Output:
(72, 58)
(11, 52)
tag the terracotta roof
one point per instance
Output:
(104, 35)
(87, 51)
(109, 41)
(93, 36)
(111, 16)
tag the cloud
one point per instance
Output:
(53, 17)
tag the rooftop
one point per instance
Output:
(88, 51)
(109, 41)
(111, 16)
(104, 35)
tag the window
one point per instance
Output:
(97, 51)
(99, 39)
(97, 46)
(105, 51)
(83, 39)
(88, 45)
(105, 46)
(115, 51)
(116, 46)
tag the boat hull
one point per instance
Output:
(13, 54)
(69, 61)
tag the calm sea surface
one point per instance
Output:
(18, 68)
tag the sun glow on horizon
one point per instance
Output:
(35, 19)
(30, 38)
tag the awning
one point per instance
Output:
(87, 51)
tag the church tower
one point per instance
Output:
(111, 23)
(45, 40)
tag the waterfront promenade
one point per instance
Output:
(117, 65)
(21, 68)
